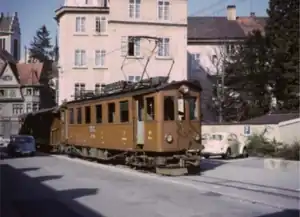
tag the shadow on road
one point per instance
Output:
(29, 197)
(284, 213)
(210, 164)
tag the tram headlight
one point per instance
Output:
(184, 89)
(197, 137)
(169, 138)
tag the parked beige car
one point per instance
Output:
(223, 144)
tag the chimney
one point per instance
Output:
(16, 14)
(252, 14)
(2, 14)
(231, 12)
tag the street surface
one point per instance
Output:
(62, 187)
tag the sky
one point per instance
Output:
(34, 13)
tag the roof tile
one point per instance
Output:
(221, 28)
(30, 73)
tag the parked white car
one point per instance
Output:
(223, 144)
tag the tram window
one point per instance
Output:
(71, 116)
(111, 112)
(193, 108)
(169, 109)
(87, 110)
(150, 109)
(79, 116)
(98, 113)
(124, 111)
(181, 109)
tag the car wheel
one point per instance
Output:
(227, 154)
(245, 153)
(32, 154)
(206, 156)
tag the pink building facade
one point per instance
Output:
(99, 43)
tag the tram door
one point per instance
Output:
(140, 140)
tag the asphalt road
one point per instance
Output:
(60, 187)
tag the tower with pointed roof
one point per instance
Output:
(10, 34)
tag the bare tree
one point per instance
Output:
(226, 102)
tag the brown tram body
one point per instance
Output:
(156, 127)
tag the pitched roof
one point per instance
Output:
(248, 24)
(213, 28)
(221, 28)
(6, 56)
(5, 22)
(30, 73)
(9, 60)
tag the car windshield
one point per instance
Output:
(217, 137)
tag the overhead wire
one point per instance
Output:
(159, 29)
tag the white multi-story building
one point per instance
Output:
(10, 34)
(99, 43)
(211, 40)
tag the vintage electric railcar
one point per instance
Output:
(149, 124)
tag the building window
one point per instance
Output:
(80, 24)
(28, 92)
(28, 107)
(80, 58)
(98, 114)
(131, 46)
(230, 48)
(16, 50)
(97, 89)
(100, 58)
(164, 47)
(101, 24)
(214, 59)
(163, 8)
(3, 93)
(134, 78)
(17, 109)
(82, 88)
(2, 43)
(196, 60)
(35, 107)
(134, 8)
(36, 92)
(12, 93)
(76, 90)
(102, 3)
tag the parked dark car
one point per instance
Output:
(21, 145)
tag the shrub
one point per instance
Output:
(289, 152)
(259, 145)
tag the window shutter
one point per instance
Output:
(124, 45)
